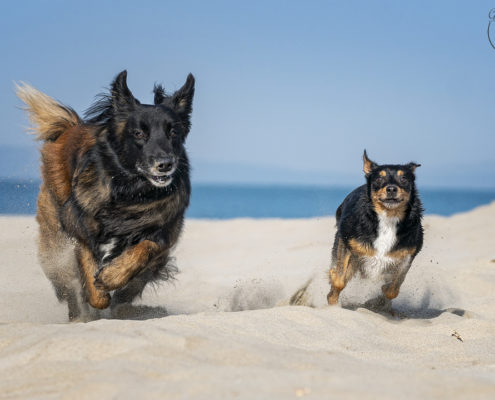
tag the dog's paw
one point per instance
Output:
(98, 296)
(99, 299)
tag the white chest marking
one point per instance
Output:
(386, 235)
(107, 248)
(384, 242)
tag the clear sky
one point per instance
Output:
(287, 91)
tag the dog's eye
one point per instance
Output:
(172, 133)
(403, 180)
(139, 134)
(379, 181)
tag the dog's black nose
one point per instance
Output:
(392, 190)
(165, 164)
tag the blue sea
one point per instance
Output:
(234, 201)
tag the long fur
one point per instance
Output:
(48, 117)
(114, 193)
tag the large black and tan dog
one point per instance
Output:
(114, 192)
(379, 233)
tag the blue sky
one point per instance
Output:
(287, 91)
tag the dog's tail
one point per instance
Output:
(48, 117)
(313, 293)
(300, 297)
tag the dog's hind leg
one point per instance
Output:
(56, 256)
(59, 265)
(341, 272)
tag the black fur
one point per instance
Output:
(357, 217)
(131, 137)
(114, 193)
(379, 230)
(118, 156)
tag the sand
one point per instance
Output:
(221, 330)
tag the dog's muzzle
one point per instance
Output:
(393, 199)
(160, 173)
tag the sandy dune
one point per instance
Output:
(224, 336)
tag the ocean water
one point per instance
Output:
(235, 201)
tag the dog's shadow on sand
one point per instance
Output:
(405, 309)
(410, 306)
(138, 312)
(408, 312)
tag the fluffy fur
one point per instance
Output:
(114, 193)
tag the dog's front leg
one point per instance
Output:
(96, 297)
(391, 288)
(124, 267)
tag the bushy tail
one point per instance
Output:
(301, 298)
(313, 293)
(48, 117)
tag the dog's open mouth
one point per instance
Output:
(160, 180)
(391, 203)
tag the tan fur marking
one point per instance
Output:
(57, 159)
(391, 292)
(367, 165)
(124, 267)
(400, 172)
(402, 194)
(361, 249)
(47, 216)
(96, 297)
(383, 173)
(379, 207)
(55, 173)
(337, 280)
(402, 253)
(341, 273)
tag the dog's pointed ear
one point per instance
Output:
(182, 99)
(412, 166)
(122, 97)
(368, 165)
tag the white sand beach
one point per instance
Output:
(220, 330)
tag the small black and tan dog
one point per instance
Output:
(379, 229)
(114, 192)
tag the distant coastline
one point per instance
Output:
(226, 201)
